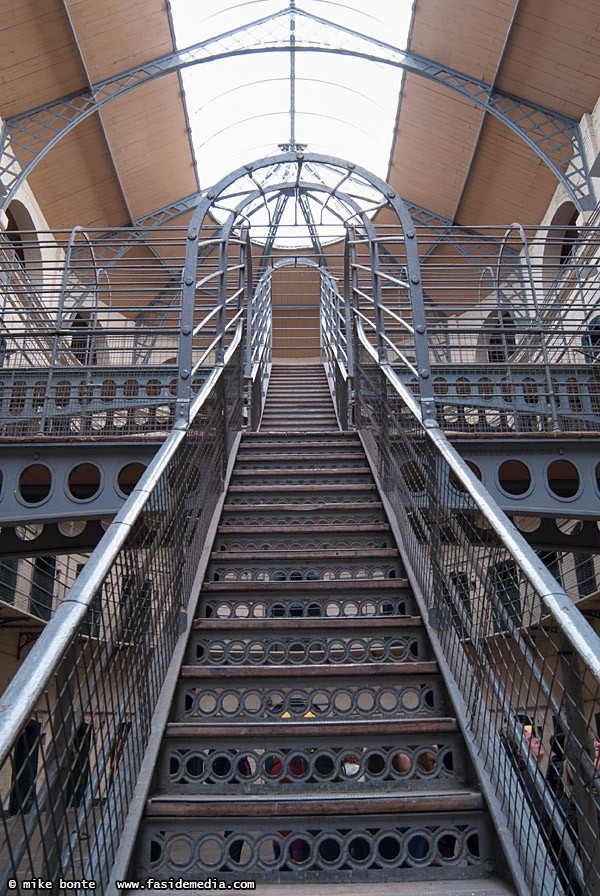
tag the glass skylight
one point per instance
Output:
(240, 106)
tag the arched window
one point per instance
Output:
(14, 236)
(500, 337)
(561, 239)
(591, 340)
(82, 341)
(22, 238)
(569, 238)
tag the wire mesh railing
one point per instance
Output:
(76, 717)
(512, 335)
(259, 346)
(91, 348)
(336, 346)
(524, 662)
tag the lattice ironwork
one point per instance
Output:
(321, 849)
(75, 731)
(523, 659)
(28, 137)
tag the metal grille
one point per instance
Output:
(512, 338)
(524, 661)
(461, 844)
(86, 349)
(77, 714)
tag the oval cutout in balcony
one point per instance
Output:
(514, 477)
(563, 478)
(35, 483)
(84, 481)
(129, 476)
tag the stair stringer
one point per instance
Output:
(160, 716)
(517, 874)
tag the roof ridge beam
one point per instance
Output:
(26, 138)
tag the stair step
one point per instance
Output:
(265, 508)
(318, 529)
(335, 440)
(399, 727)
(293, 458)
(295, 489)
(294, 473)
(317, 623)
(276, 649)
(447, 886)
(320, 586)
(310, 554)
(257, 804)
(363, 670)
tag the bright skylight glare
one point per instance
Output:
(240, 106)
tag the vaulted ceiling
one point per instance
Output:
(449, 155)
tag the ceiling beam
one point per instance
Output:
(482, 122)
(100, 121)
(556, 138)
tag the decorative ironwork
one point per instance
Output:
(29, 136)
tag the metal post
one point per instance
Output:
(186, 326)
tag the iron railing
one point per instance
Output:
(259, 345)
(336, 347)
(92, 349)
(76, 717)
(524, 662)
(509, 318)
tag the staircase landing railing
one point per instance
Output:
(75, 720)
(522, 663)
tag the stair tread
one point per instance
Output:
(279, 804)
(306, 530)
(256, 441)
(346, 487)
(355, 670)
(308, 554)
(315, 727)
(298, 624)
(307, 508)
(313, 471)
(311, 585)
(293, 458)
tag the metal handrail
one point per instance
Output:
(570, 620)
(548, 853)
(37, 670)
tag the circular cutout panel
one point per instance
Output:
(514, 477)
(84, 481)
(563, 478)
(129, 476)
(35, 483)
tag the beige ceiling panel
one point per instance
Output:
(465, 36)
(552, 56)
(436, 133)
(147, 131)
(39, 61)
(116, 35)
(508, 181)
(75, 182)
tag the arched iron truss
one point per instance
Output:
(556, 138)
(358, 194)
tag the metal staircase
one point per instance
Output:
(311, 737)
(362, 633)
